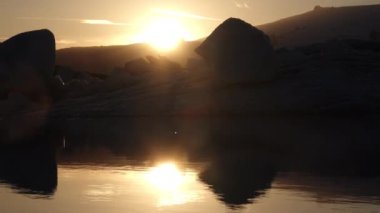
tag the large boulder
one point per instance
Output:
(27, 63)
(237, 52)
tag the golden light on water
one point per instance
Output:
(164, 34)
(171, 185)
(166, 176)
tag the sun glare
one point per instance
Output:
(164, 34)
(166, 176)
(171, 185)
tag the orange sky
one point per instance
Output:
(111, 22)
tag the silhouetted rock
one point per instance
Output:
(27, 63)
(29, 170)
(237, 51)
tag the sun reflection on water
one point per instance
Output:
(171, 185)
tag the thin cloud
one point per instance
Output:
(82, 21)
(243, 5)
(65, 42)
(183, 14)
(47, 18)
(101, 22)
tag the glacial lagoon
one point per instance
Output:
(195, 165)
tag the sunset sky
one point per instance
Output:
(111, 22)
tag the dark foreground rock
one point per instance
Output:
(237, 51)
(27, 63)
(29, 170)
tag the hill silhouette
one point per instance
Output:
(104, 59)
(100, 59)
(318, 25)
(322, 24)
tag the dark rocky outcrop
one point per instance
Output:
(29, 170)
(27, 63)
(237, 51)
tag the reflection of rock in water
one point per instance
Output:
(29, 170)
(328, 145)
(238, 180)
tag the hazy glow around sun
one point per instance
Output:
(171, 185)
(166, 176)
(164, 34)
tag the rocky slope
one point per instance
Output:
(322, 24)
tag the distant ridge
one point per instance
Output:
(323, 24)
(103, 59)
(100, 59)
(318, 25)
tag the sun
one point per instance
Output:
(166, 176)
(164, 34)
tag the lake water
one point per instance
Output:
(172, 187)
(308, 165)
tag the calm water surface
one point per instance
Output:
(243, 165)
(172, 187)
